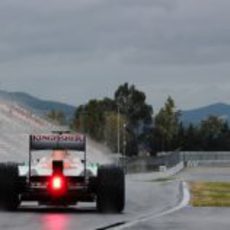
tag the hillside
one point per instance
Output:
(196, 115)
(38, 106)
(42, 107)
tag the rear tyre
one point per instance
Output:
(110, 189)
(9, 186)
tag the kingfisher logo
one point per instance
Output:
(55, 141)
(58, 138)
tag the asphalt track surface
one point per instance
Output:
(190, 218)
(142, 198)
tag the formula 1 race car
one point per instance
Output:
(61, 178)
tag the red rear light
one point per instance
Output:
(57, 185)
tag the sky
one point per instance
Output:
(75, 50)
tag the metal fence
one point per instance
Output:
(167, 160)
(149, 164)
(205, 158)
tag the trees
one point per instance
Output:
(192, 140)
(57, 117)
(164, 132)
(166, 125)
(90, 119)
(111, 131)
(211, 132)
(212, 127)
(132, 104)
(99, 118)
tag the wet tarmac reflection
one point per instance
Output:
(55, 221)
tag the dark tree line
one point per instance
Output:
(212, 134)
(127, 113)
(142, 132)
(56, 117)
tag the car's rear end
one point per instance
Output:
(57, 188)
(106, 187)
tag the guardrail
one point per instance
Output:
(167, 160)
(151, 164)
(201, 158)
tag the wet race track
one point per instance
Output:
(191, 218)
(149, 199)
(143, 198)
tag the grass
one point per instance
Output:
(210, 194)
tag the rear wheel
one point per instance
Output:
(110, 189)
(9, 186)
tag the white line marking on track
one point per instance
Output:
(184, 202)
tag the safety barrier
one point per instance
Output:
(165, 161)
(162, 162)
(193, 159)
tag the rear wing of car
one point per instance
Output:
(58, 142)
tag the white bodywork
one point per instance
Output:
(73, 166)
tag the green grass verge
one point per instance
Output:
(210, 194)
